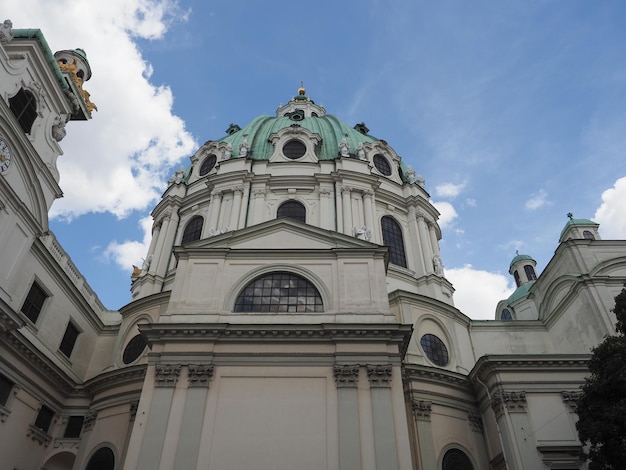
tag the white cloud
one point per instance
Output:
(611, 215)
(471, 202)
(478, 292)
(129, 253)
(118, 161)
(447, 211)
(449, 190)
(539, 199)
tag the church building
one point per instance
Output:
(292, 311)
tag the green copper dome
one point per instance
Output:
(519, 258)
(329, 128)
(582, 222)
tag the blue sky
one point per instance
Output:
(514, 112)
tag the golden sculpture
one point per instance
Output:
(71, 68)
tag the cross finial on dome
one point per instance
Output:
(570, 215)
(517, 252)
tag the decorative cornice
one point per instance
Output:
(387, 333)
(570, 398)
(166, 375)
(90, 420)
(475, 421)
(487, 365)
(114, 378)
(415, 372)
(134, 405)
(515, 402)
(346, 375)
(379, 375)
(422, 409)
(200, 375)
(8, 323)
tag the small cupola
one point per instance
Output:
(300, 107)
(522, 268)
(579, 229)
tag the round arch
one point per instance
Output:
(442, 331)
(102, 458)
(456, 457)
(242, 282)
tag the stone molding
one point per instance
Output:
(475, 421)
(37, 435)
(133, 405)
(199, 375)
(515, 402)
(379, 375)
(346, 375)
(570, 398)
(90, 420)
(166, 375)
(422, 409)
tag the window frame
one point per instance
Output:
(292, 204)
(390, 227)
(433, 341)
(6, 388)
(69, 343)
(45, 414)
(530, 273)
(70, 421)
(34, 309)
(27, 114)
(191, 233)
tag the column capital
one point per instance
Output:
(379, 375)
(166, 375)
(346, 189)
(90, 420)
(346, 375)
(570, 398)
(199, 375)
(515, 402)
(475, 421)
(422, 409)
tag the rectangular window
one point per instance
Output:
(5, 390)
(44, 418)
(69, 339)
(34, 302)
(73, 428)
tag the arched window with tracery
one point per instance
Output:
(279, 292)
(456, 459)
(193, 230)
(392, 237)
(293, 210)
(518, 281)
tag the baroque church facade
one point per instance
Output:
(292, 312)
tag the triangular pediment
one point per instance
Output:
(280, 234)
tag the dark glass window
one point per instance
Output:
(506, 315)
(208, 164)
(34, 302)
(382, 164)
(392, 237)
(279, 292)
(588, 235)
(293, 210)
(434, 349)
(74, 427)
(102, 459)
(456, 459)
(193, 230)
(44, 418)
(134, 349)
(5, 390)
(24, 107)
(518, 281)
(294, 149)
(530, 272)
(69, 339)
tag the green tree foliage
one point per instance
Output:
(602, 406)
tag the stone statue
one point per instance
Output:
(438, 265)
(344, 150)
(360, 151)
(421, 182)
(58, 131)
(6, 33)
(146, 264)
(244, 147)
(362, 233)
(411, 175)
(228, 151)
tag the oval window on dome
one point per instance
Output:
(134, 349)
(294, 149)
(435, 350)
(382, 164)
(208, 164)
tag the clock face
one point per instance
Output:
(5, 156)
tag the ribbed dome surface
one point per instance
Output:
(328, 127)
